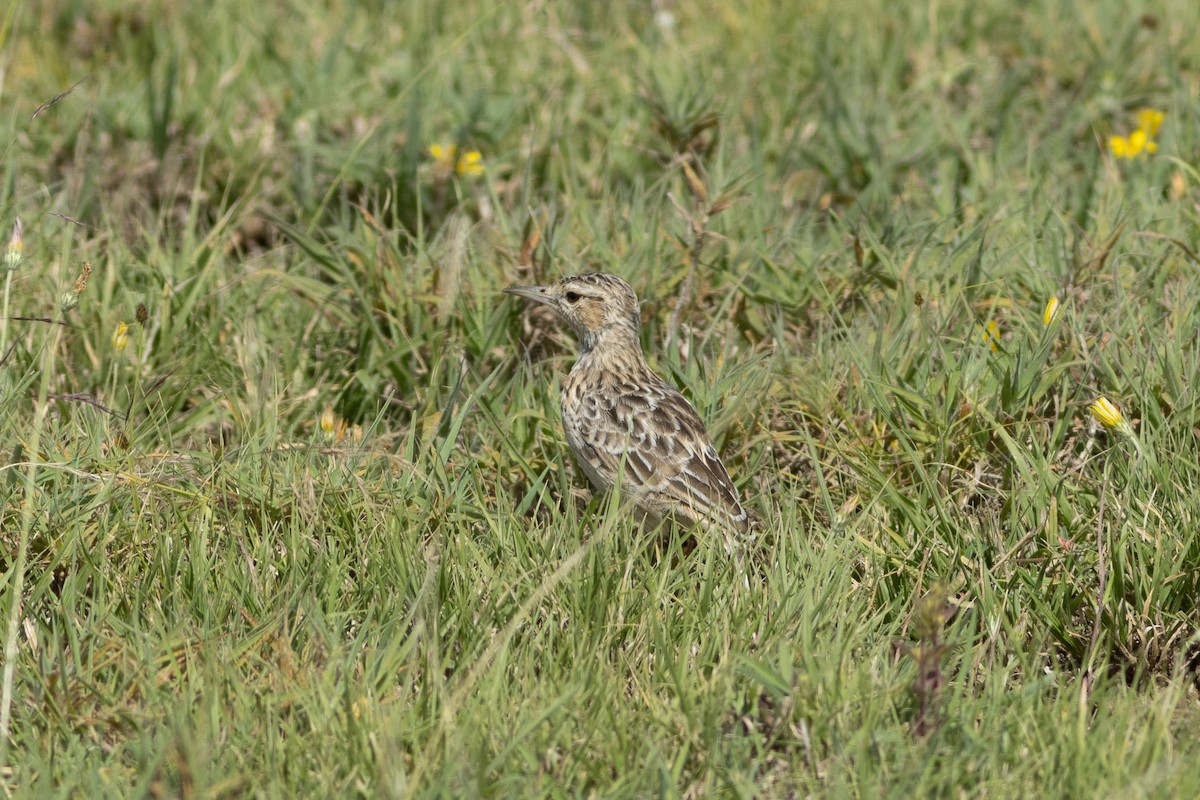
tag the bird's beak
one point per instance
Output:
(539, 294)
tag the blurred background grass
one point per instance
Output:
(309, 529)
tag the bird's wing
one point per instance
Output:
(656, 442)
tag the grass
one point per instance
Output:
(311, 531)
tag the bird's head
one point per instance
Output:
(599, 307)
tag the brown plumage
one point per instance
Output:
(623, 420)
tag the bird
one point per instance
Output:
(628, 426)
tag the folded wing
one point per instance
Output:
(655, 441)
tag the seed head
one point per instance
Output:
(16, 247)
(70, 299)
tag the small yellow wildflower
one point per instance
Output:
(1150, 120)
(443, 156)
(1107, 413)
(1111, 418)
(16, 247)
(328, 421)
(471, 163)
(1141, 140)
(446, 158)
(1131, 147)
(991, 335)
(1051, 311)
(120, 336)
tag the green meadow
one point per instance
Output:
(286, 509)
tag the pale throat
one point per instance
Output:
(613, 349)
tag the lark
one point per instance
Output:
(627, 425)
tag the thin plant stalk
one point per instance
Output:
(4, 319)
(17, 585)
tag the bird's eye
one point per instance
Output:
(573, 297)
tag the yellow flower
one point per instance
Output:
(446, 158)
(1108, 414)
(1137, 142)
(333, 428)
(991, 335)
(1150, 120)
(1134, 146)
(443, 156)
(1051, 311)
(471, 163)
(1141, 140)
(120, 336)
(16, 247)
(328, 421)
